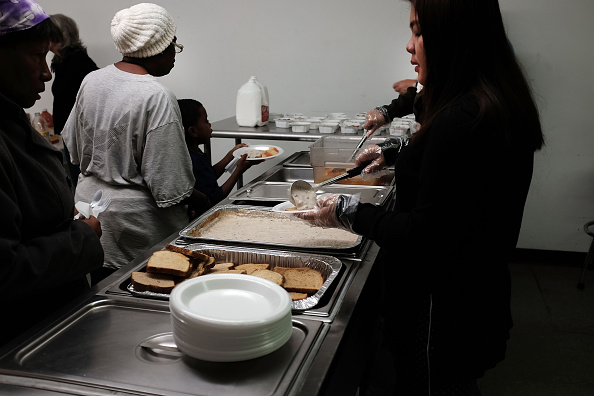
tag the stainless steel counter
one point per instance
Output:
(93, 346)
(228, 128)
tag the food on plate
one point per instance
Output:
(169, 263)
(301, 280)
(158, 283)
(251, 267)
(255, 153)
(297, 296)
(304, 199)
(272, 276)
(291, 209)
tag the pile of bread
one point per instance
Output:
(167, 268)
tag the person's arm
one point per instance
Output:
(242, 165)
(399, 107)
(44, 261)
(402, 86)
(198, 200)
(219, 167)
(402, 105)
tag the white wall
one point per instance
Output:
(343, 55)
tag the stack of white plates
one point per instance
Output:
(230, 317)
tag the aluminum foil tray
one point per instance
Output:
(327, 265)
(214, 213)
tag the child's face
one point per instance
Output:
(202, 129)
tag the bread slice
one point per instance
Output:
(297, 296)
(223, 266)
(158, 283)
(199, 269)
(269, 275)
(170, 263)
(301, 280)
(187, 252)
(251, 267)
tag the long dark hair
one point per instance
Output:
(467, 50)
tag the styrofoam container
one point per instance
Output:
(328, 127)
(284, 122)
(349, 127)
(314, 123)
(300, 126)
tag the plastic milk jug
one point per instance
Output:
(252, 104)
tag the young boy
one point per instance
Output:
(198, 131)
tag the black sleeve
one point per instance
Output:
(403, 105)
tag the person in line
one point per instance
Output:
(462, 184)
(70, 64)
(126, 134)
(44, 254)
(198, 131)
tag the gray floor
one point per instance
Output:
(551, 350)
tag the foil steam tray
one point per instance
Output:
(327, 266)
(218, 212)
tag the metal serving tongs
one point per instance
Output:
(301, 187)
(359, 145)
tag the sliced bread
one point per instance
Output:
(297, 296)
(269, 275)
(222, 266)
(157, 283)
(251, 267)
(301, 280)
(187, 252)
(170, 263)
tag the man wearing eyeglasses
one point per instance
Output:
(125, 133)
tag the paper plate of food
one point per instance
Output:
(259, 152)
(288, 207)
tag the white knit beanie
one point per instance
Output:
(142, 30)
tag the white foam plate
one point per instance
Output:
(235, 300)
(239, 152)
(282, 208)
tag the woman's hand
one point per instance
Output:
(333, 211)
(324, 212)
(375, 119)
(374, 154)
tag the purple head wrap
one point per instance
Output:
(17, 15)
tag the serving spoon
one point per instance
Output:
(303, 194)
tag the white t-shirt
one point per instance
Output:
(126, 134)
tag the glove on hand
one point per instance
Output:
(375, 119)
(333, 211)
(377, 166)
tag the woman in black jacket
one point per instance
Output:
(70, 64)
(462, 182)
